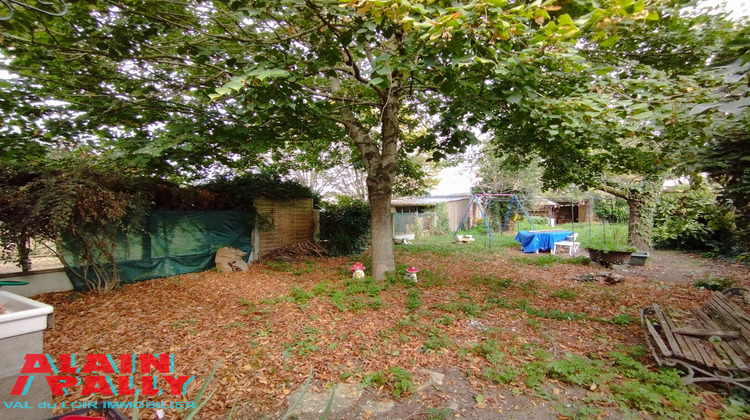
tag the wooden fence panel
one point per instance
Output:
(292, 220)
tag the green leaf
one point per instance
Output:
(609, 42)
(498, 3)
(734, 107)
(700, 108)
(199, 401)
(643, 115)
(223, 90)
(514, 98)
(383, 70)
(565, 20)
(293, 406)
(235, 85)
(263, 74)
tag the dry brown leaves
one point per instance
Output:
(268, 343)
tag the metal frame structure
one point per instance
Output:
(477, 198)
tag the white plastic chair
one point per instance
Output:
(570, 242)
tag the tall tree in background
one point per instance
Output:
(620, 122)
(174, 86)
(494, 177)
(726, 121)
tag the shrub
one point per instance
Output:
(73, 202)
(715, 283)
(345, 226)
(691, 219)
(539, 222)
(612, 211)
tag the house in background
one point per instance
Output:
(423, 213)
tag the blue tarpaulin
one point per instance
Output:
(540, 240)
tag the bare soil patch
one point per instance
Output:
(679, 267)
(272, 325)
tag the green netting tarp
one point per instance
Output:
(174, 242)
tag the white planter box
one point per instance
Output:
(407, 236)
(22, 315)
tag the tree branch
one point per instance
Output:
(617, 192)
(348, 58)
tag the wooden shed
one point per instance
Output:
(406, 211)
(542, 207)
(575, 211)
(282, 223)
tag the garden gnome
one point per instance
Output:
(411, 274)
(358, 270)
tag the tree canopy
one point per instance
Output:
(725, 119)
(176, 86)
(621, 122)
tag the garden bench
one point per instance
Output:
(711, 343)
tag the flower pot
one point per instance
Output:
(22, 328)
(638, 258)
(607, 258)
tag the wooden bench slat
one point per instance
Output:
(673, 344)
(706, 319)
(730, 312)
(703, 332)
(657, 338)
(726, 346)
(725, 315)
(741, 315)
(736, 359)
(699, 352)
(706, 348)
(687, 347)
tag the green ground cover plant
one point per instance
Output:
(549, 260)
(566, 294)
(628, 383)
(354, 294)
(717, 284)
(503, 323)
(397, 379)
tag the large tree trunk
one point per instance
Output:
(380, 162)
(642, 199)
(381, 235)
(24, 255)
(642, 204)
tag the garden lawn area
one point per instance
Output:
(513, 325)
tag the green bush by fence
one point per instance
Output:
(345, 226)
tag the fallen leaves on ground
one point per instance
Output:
(269, 341)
